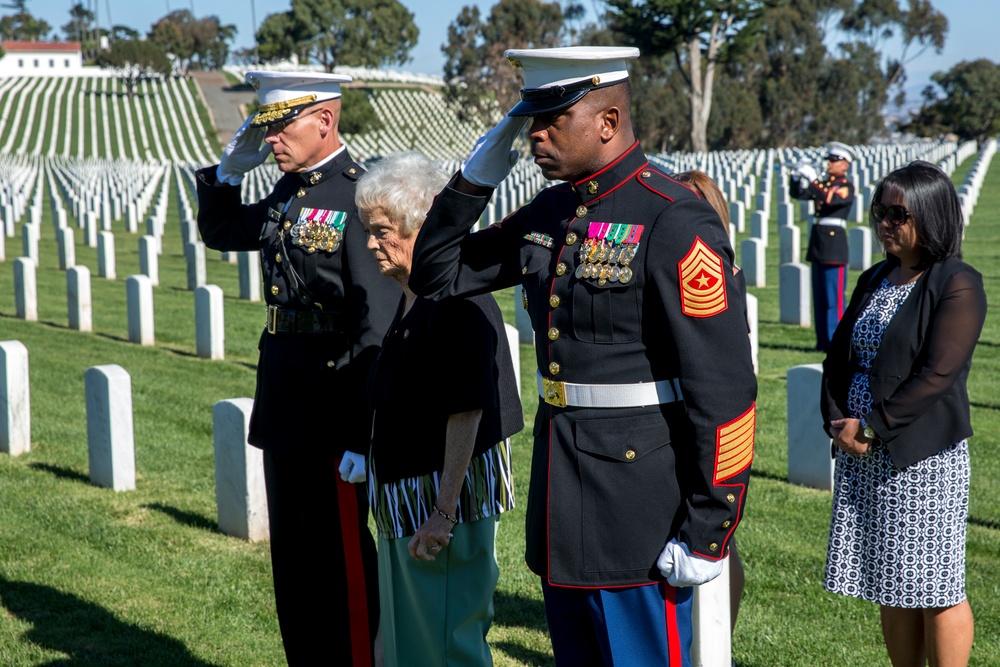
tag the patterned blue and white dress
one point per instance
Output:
(897, 537)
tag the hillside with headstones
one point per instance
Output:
(119, 304)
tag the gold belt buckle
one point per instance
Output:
(271, 318)
(554, 392)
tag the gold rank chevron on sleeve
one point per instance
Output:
(703, 286)
(734, 445)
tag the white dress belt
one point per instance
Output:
(635, 395)
(832, 221)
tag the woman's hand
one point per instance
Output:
(846, 434)
(432, 536)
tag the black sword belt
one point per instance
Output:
(286, 320)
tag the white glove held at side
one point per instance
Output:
(352, 468)
(243, 153)
(492, 158)
(682, 568)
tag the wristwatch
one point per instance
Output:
(867, 431)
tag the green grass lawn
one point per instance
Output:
(93, 577)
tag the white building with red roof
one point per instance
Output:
(43, 59)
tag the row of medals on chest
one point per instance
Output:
(605, 261)
(314, 235)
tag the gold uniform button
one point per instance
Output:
(570, 238)
(554, 368)
(301, 193)
(713, 547)
(731, 498)
(554, 300)
(727, 523)
(275, 290)
(832, 233)
(288, 223)
(553, 333)
(352, 171)
(581, 211)
(277, 258)
(524, 270)
(561, 269)
(331, 364)
(647, 174)
(630, 454)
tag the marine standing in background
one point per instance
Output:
(328, 308)
(828, 248)
(644, 433)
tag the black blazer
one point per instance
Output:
(920, 405)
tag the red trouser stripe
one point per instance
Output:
(357, 598)
(841, 286)
(673, 634)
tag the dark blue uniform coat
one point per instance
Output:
(610, 486)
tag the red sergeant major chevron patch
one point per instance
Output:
(703, 287)
(734, 445)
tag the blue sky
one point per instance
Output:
(972, 26)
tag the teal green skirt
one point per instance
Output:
(437, 613)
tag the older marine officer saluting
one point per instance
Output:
(327, 310)
(644, 434)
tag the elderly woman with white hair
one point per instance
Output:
(446, 404)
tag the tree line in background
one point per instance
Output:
(714, 74)
(727, 74)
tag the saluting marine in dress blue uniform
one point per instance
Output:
(644, 435)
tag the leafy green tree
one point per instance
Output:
(357, 115)
(80, 25)
(853, 94)
(363, 33)
(970, 107)
(21, 25)
(134, 60)
(479, 82)
(174, 34)
(188, 39)
(279, 38)
(700, 34)
(211, 41)
(917, 26)
(124, 32)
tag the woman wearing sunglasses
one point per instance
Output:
(894, 401)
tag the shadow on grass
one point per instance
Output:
(184, 518)
(87, 633)
(61, 473)
(788, 348)
(519, 611)
(523, 654)
(992, 524)
(754, 472)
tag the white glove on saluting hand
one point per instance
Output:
(492, 158)
(808, 172)
(243, 153)
(682, 568)
(352, 468)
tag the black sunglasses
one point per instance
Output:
(896, 214)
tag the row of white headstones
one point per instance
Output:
(240, 495)
(159, 123)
